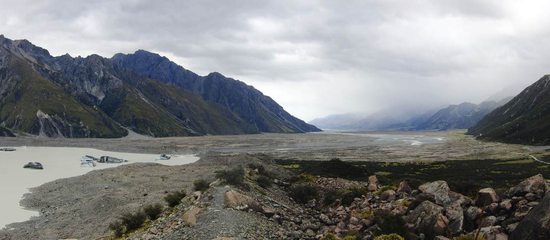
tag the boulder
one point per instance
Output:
(536, 225)
(439, 190)
(471, 216)
(486, 196)
(505, 204)
(494, 233)
(190, 216)
(236, 200)
(373, 183)
(534, 184)
(428, 219)
(404, 187)
(388, 195)
(455, 214)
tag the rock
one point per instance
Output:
(488, 221)
(428, 219)
(486, 196)
(536, 225)
(325, 219)
(522, 211)
(494, 233)
(491, 208)
(455, 214)
(373, 183)
(439, 190)
(236, 200)
(472, 213)
(530, 196)
(534, 184)
(268, 212)
(506, 204)
(388, 195)
(190, 216)
(404, 187)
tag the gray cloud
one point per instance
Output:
(314, 57)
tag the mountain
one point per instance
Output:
(459, 116)
(525, 119)
(99, 97)
(258, 110)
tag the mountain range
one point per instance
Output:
(461, 116)
(524, 119)
(143, 92)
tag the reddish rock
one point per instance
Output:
(486, 196)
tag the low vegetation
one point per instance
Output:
(128, 222)
(303, 193)
(264, 181)
(392, 236)
(461, 175)
(153, 211)
(233, 176)
(174, 199)
(201, 185)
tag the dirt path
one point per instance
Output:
(217, 222)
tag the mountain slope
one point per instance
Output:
(460, 116)
(525, 119)
(4, 132)
(37, 106)
(93, 97)
(260, 111)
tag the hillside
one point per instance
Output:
(460, 116)
(260, 111)
(100, 97)
(525, 119)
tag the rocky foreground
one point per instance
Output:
(251, 197)
(333, 208)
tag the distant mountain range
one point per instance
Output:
(459, 116)
(142, 92)
(524, 119)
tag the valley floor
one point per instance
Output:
(84, 206)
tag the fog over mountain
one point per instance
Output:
(315, 58)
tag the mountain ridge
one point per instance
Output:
(454, 116)
(523, 120)
(111, 98)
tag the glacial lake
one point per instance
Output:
(58, 162)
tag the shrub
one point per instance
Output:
(264, 181)
(173, 199)
(201, 185)
(153, 211)
(133, 221)
(392, 236)
(330, 197)
(350, 237)
(303, 193)
(352, 193)
(233, 176)
(117, 228)
(307, 178)
(329, 236)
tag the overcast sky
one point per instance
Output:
(314, 57)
